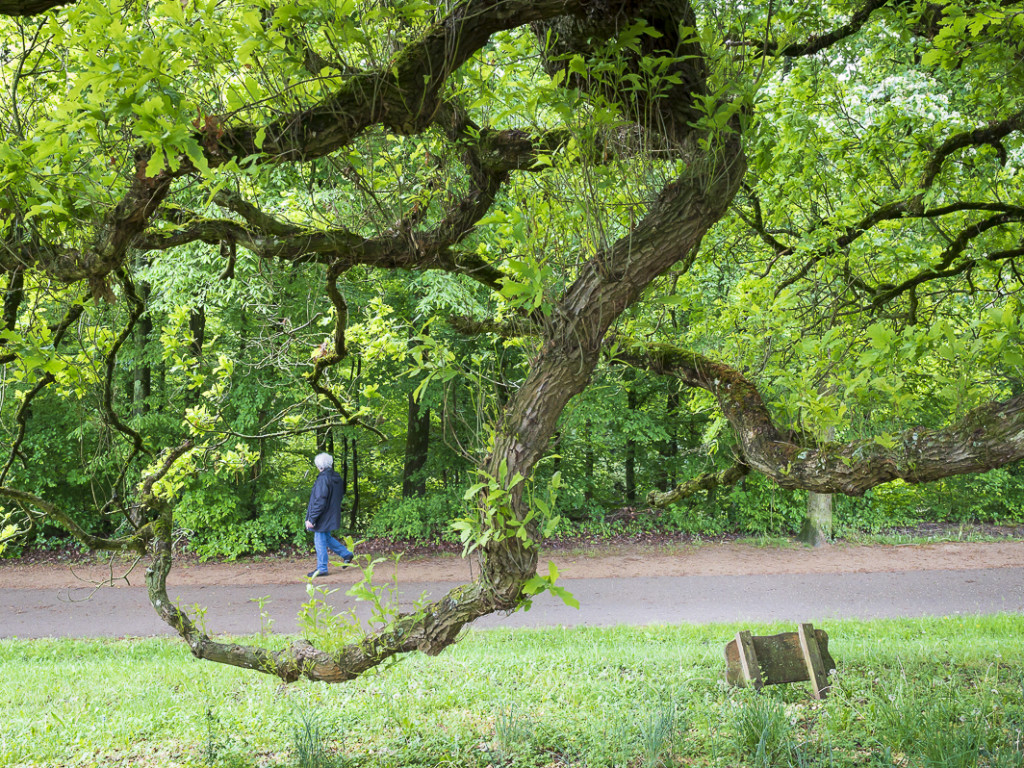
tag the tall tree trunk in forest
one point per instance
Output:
(325, 441)
(143, 371)
(588, 461)
(417, 444)
(12, 298)
(345, 457)
(197, 327)
(632, 400)
(354, 513)
(668, 450)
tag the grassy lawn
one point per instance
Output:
(933, 692)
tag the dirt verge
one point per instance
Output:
(622, 560)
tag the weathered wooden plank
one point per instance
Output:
(748, 659)
(816, 671)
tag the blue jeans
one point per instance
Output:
(322, 542)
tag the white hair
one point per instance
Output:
(323, 461)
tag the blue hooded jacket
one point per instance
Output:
(324, 508)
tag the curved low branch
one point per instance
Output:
(133, 543)
(429, 630)
(988, 437)
(705, 482)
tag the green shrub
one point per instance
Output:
(219, 522)
(418, 518)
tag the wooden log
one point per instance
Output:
(780, 658)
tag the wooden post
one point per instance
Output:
(748, 659)
(816, 671)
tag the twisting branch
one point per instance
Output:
(705, 482)
(945, 268)
(913, 206)
(488, 154)
(817, 43)
(394, 250)
(30, 7)
(403, 96)
(991, 135)
(57, 329)
(256, 218)
(330, 354)
(988, 437)
(135, 310)
(21, 419)
(129, 543)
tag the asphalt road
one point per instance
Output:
(125, 611)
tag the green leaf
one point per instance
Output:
(156, 164)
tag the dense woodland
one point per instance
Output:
(519, 266)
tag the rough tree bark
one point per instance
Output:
(417, 443)
(990, 436)
(30, 7)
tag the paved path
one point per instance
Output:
(125, 611)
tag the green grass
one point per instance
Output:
(914, 693)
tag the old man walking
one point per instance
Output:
(323, 514)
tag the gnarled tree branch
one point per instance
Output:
(705, 482)
(988, 437)
(30, 7)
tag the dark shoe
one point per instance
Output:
(348, 560)
(314, 574)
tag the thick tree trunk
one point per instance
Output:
(143, 387)
(356, 502)
(197, 327)
(608, 283)
(13, 297)
(668, 450)
(588, 461)
(417, 444)
(573, 338)
(817, 527)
